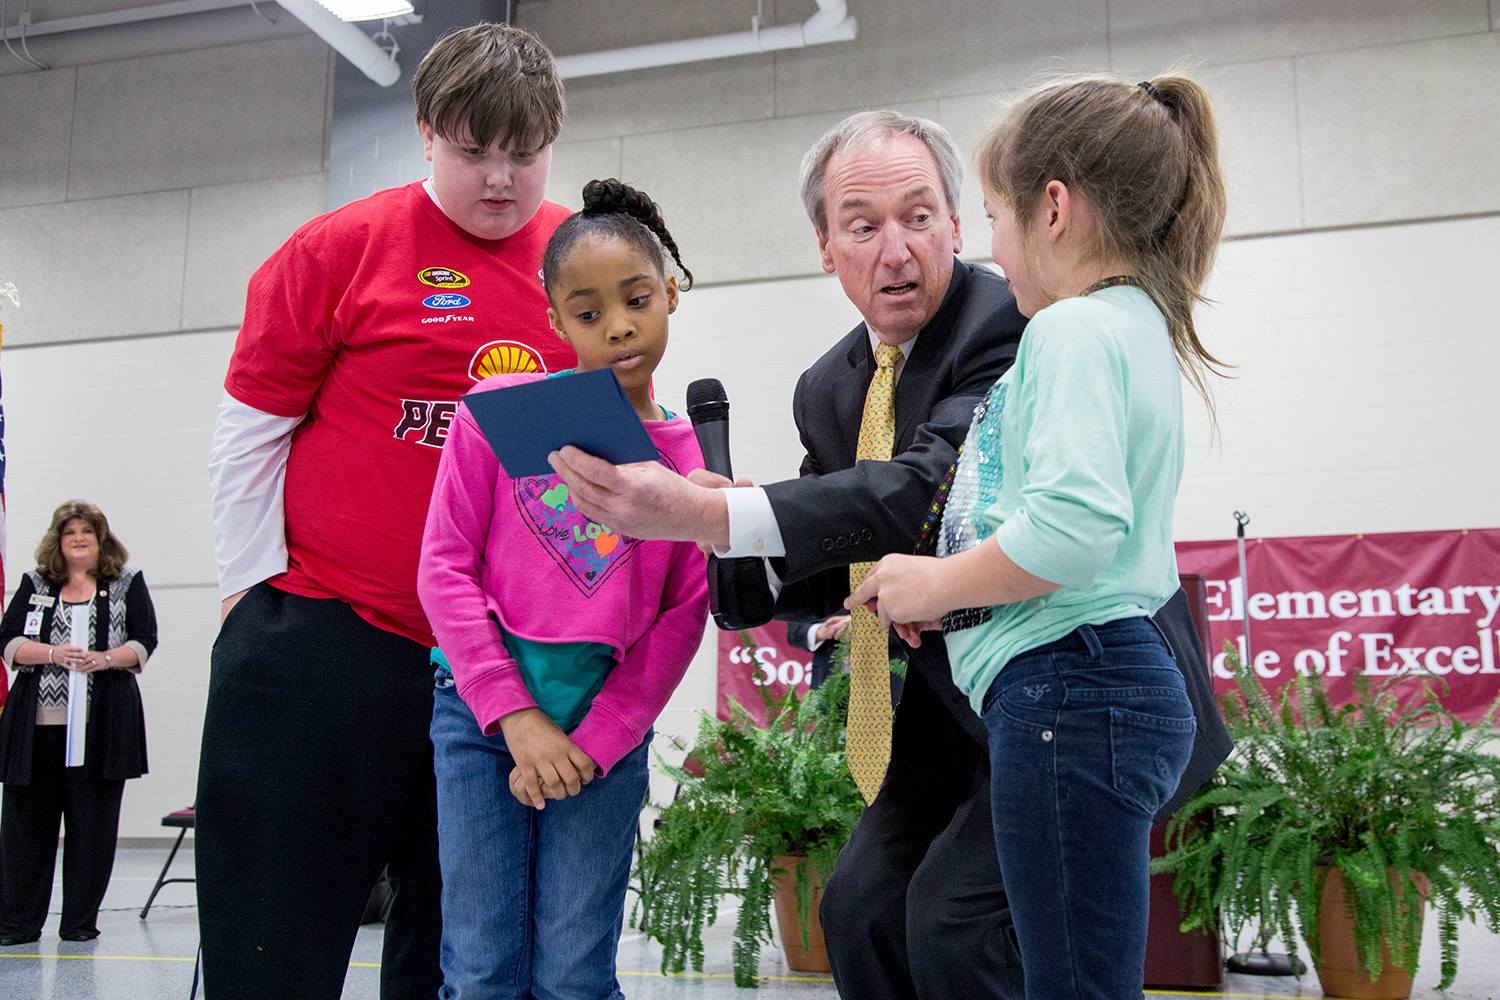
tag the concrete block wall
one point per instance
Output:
(1333, 114)
(1361, 143)
(136, 197)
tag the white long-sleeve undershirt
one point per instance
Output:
(246, 476)
(753, 530)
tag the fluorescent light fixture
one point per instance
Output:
(366, 10)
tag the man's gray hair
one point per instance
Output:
(866, 129)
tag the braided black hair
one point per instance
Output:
(613, 208)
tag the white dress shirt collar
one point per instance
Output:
(905, 345)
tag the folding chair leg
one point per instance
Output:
(162, 878)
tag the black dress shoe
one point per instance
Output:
(78, 935)
(11, 939)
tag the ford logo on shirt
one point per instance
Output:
(445, 301)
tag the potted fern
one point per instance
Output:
(1367, 811)
(754, 804)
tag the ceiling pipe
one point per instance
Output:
(347, 40)
(110, 18)
(831, 23)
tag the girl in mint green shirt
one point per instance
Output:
(1106, 205)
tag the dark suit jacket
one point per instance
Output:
(800, 634)
(840, 511)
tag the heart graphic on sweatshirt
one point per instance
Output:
(586, 552)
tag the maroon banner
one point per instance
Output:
(1411, 604)
(768, 664)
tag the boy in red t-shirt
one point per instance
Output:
(360, 335)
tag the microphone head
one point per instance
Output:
(706, 401)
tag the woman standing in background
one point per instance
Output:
(80, 564)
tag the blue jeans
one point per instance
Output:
(532, 900)
(1088, 735)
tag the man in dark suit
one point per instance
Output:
(916, 908)
(821, 639)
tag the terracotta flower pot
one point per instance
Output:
(1340, 969)
(814, 958)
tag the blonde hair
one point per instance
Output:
(1146, 159)
(50, 563)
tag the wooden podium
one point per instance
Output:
(1173, 958)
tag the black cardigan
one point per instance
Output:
(115, 739)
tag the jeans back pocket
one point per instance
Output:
(1149, 752)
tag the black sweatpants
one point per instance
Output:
(316, 774)
(29, 819)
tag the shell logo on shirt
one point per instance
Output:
(442, 277)
(504, 357)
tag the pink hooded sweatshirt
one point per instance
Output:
(519, 551)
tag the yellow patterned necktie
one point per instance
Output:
(868, 741)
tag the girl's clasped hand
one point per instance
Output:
(548, 764)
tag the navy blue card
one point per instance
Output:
(525, 423)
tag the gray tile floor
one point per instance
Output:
(153, 959)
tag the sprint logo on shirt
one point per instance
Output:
(442, 277)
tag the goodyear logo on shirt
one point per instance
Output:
(442, 277)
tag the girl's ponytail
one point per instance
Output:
(1146, 157)
(1177, 263)
(613, 208)
(615, 197)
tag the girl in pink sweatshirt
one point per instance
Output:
(560, 642)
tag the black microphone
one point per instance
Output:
(738, 593)
(708, 409)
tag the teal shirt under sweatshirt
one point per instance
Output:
(563, 677)
(1072, 466)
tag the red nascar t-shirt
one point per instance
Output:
(373, 320)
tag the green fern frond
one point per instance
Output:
(1385, 787)
(764, 792)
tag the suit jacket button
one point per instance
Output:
(828, 545)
